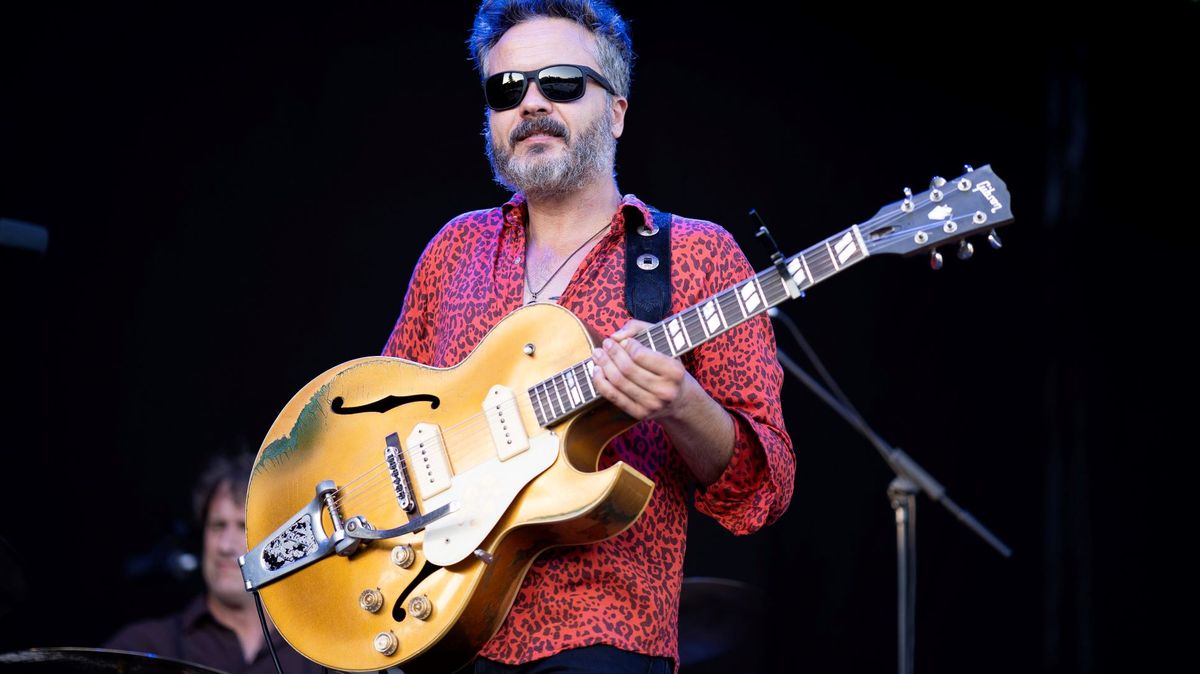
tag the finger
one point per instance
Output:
(624, 376)
(630, 329)
(631, 368)
(656, 372)
(605, 387)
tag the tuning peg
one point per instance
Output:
(994, 240)
(935, 259)
(965, 250)
(907, 206)
(968, 168)
(937, 181)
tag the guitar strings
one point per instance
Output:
(465, 433)
(468, 428)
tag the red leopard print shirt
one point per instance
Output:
(623, 591)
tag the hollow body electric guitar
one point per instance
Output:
(394, 508)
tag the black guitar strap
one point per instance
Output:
(648, 266)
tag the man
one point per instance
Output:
(219, 629)
(710, 421)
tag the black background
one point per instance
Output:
(236, 197)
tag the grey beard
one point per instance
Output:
(591, 154)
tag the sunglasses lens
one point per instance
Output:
(561, 83)
(504, 90)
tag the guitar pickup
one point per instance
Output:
(430, 464)
(504, 421)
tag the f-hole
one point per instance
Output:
(398, 612)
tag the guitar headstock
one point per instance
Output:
(949, 211)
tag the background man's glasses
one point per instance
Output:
(559, 83)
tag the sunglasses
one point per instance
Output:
(559, 83)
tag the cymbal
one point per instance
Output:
(718, 616)
(42, 660)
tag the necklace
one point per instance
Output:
(534, 293)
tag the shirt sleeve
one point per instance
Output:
(740, 371)
(415, 333)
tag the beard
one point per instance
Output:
(539, 175)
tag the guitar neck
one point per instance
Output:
(567, 392)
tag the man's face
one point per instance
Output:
(541, 147)
(224, 542)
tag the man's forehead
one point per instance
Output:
(542, 42)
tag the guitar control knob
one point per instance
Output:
(420, 607)
(935, 259)
(965, 250)
(403, 556)
(370, 600)
(386, 643)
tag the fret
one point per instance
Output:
(703, 323)
(751, 295)
(564, 389)
(691, 329)
(589, 368)
(730, 306)
(711, 317)
(832, 256)
(737, 293)
(665, 340)
(558, 394)
(775, 290)
(762, 293)
(650, 338)
(550, 398)
(823, 262)
(539, 411)
(798, 271)
(721, 312)
(846, 248)
(677, 338)
(573, 388)
(544, 396)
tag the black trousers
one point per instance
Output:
(589, 659)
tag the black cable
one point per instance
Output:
(262, 619)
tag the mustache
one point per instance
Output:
(539, 125)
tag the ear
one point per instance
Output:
(620, 105)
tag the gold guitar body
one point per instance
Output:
(320, 610)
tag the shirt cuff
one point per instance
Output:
(740, 499)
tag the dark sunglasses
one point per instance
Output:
(559, 83)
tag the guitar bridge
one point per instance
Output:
(398, 468)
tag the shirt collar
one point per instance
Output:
(195, 611)
(516, 211)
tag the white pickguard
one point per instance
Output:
(483, 494)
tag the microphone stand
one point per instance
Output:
(910, 480)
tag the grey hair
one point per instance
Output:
(614, 48)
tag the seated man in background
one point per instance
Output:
(219, 628)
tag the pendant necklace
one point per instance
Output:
(534, 293)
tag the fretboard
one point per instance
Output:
(562, 395)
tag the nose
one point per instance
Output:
(232, 541)
(534, 104)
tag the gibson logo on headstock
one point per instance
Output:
(985, 188)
